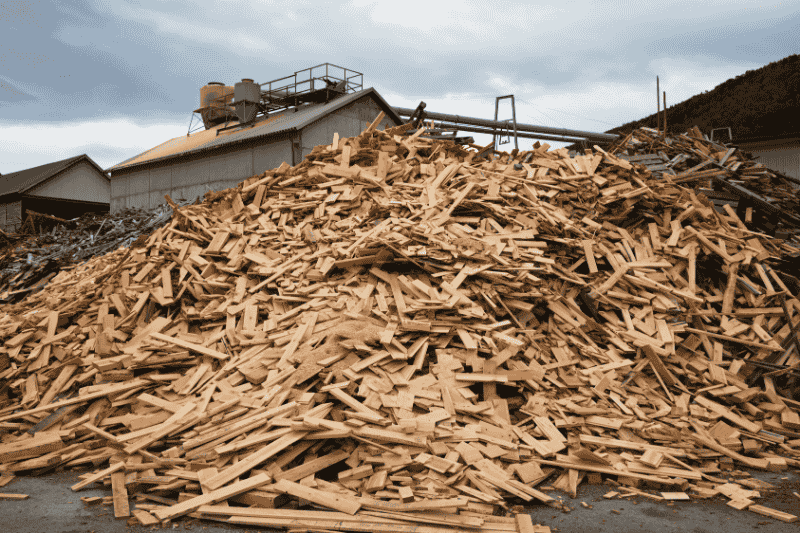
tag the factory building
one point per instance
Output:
(247, 129)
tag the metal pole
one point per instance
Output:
(665, 113)
(514, 116)
(494, 135)
(658, 105)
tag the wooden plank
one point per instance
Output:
(331, 501)
(254, 459)
(34, 446)
(97, 476)
(790, 419)
(458, 521)
(383, 165)
(728, 414)
(773, 513)
(171, 425)
(771, 348)
(144, 517)
(590, 467)
(759, 464)
(331, 520)
(406, 494)
(352, 403)
(675, 496)
(107, 391)
(313, 466)
(549, 429)
(589, 252)
(382, 435)
(214, 496)
(652, 458)
(422, 505)
(659, 366)
(120, 495)
(629, 445)
(11, 496)
(189, 346)
(55, 387)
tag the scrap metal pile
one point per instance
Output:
(405, 334)
(33, 256)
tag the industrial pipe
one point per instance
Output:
(523, 135)
(497, 124)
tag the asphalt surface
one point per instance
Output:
(640, 514)
(52, 507)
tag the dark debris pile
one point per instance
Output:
(29, 259)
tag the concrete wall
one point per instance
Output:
(81, 182)
(10, 216)
(192, 178)
(348, 121)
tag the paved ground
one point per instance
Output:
(697, 516)
(54, 508)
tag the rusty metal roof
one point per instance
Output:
(289, 120)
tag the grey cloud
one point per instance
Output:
(73, 60)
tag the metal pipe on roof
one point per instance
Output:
(524, 135)
(499, 124)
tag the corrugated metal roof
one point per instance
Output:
(23, 180)
(289, 120)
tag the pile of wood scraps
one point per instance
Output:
(32, 257)
(400, 333)
(764, 199)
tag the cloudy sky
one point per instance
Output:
(112, 78)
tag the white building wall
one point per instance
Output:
(160, 184)
(120, 192)
(348, 121)
(269, 156)
(81, 182)
(138, 190)
(192, 178)
(227, 170)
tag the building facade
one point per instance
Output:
(64, 189)
(217, 159)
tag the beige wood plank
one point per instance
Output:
(120, 495)
(214, 496)
(332, 501)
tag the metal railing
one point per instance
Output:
(315, 84)
(305, 81)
